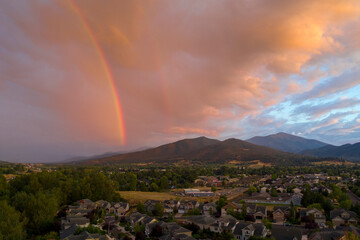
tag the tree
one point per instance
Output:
(251, 190)
(346, 204)
(221, 203)
(274, 193)
(132, 182)
(164, 183)
(243, 211)
(213, 189)
(154, 187)
(11, 227)
(158, 210)
(315, 205)
(267, 224)
(292, 212)
(141, 208)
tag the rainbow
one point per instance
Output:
(109, 76)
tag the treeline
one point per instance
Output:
(31, 202)
(155, 179)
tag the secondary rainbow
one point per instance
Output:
(109, 76)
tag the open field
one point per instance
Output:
(137, 196)
(334, 163)
(134, 197)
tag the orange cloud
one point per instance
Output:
(203, 66)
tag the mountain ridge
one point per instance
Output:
(287, 142)
(204, 150)
(347, 151)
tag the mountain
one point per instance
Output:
(204, 150)
(287, 142)
(348, 151)
(158, 154)
(109, 154)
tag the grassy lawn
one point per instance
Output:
(136, 196)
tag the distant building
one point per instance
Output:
(197, 193)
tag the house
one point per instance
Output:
(102, 204)
(223, 223)
(86, 236)
(171, 230)
(282, 198)
(170, 205)
(312, 215)
(70, 221)
(136, 217)
(340, 217)
(257, 212)
(263, 190)
(87, 203)
(244, 230)
(202, 221)
(68, 232)
(197, 193)
(340, 233)
(280, 214)
(208, 209)
(119, 208)
(150, 205)
(288, 233)
(185, 206)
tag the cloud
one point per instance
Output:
(179, 71)
(317, 110)
(333, 85)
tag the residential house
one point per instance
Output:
(119, 208)
(70, 221)
(280, 214)
(202, 221)
(257, 212)
(244, 230)
(340, 217)
(288, 233)
(208, 209)
(150, 205)
(185, 206)
(170, 230)
(312, 214)
(86, 236)
(223, 223)
(87, 203)
(340, 233)
(170, 205)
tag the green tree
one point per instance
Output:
(4, 191)
(221, 203)
(164, 183)
(158, 210)
(141, 208)
(346, 204)
(251, 190)
(154, 187)
(292, 212)
(132, 182)
(11, 227)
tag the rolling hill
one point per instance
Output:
(287, 142)
(203, 150)
(348, 151)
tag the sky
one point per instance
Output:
(84, 77)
